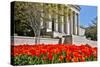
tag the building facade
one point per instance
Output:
(66, 23)
(51, 20)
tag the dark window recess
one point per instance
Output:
(53, 24)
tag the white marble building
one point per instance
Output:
(63, 28)
(65, 25)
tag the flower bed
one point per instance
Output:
(48, 53)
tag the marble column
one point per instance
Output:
(56, 24)
(62, 23)
(59, 24)
(65, 20)
(74, 29)
(71, 22)
(65, 24)
(77, 24)
(68, 25)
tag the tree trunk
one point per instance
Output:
(37, 37)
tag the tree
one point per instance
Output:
(34, 19)
(91, 30)
(29, 16)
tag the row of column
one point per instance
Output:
(69, 24)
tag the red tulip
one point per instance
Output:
(61, 57)
(73, 53)
(50, 56)
(68, 58)
(75, 59)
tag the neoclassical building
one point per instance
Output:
(66, 23)
(58, 23)
(54, 20)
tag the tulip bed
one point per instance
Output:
(52, 53)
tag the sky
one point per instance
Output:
(87, 13)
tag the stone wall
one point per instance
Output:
(83, 40)
(79, 40)
(71, 39)
(81, 31)
(17, 40)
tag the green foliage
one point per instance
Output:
(22, 60)
(25, 15)
(91, 31)
(31, 60)
(25, 59)
(28, 16)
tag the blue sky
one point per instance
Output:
(87, 13)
